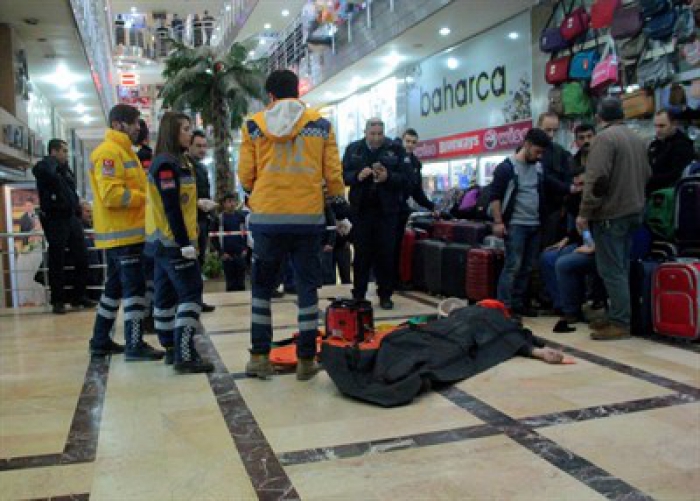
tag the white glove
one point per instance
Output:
(343, 227)
(189, 252)
(206, 205)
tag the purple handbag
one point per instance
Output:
(627, 22)
(551, 39)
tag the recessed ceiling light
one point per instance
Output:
(262, 41)
(445, 31)
(86, 119)
(133, 10)
(513, 35)
(267, 26)
(80, 108)
(410, 80)
(218, 28)
(228, 8)
(452, 63)
(73, 94)
(251, 53)
(285, 13)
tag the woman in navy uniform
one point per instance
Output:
(171, 238)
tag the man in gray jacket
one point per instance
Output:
(613, 201)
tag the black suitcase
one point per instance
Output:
(454, 270)
(418, 275)
(433, 265)
(687, 222)
(641, 273)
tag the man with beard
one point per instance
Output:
(583, 135)
(669, 153)
(517, 209)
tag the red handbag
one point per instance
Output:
(557, 70)
(575, 23)
(602, 13)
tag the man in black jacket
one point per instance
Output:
(60, 218)
(669, 153)
(197, 153)
(374, 169)
(556, 165)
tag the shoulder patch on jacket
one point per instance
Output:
(108, 167)
(253, 129)
(316, 128)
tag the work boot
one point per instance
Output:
(59, 309)
(611, 333)
(142, 352)
(599, 323)
(259, 366)
(307, 368)
(186, 359)
(111, 348)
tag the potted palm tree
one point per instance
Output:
(218, 86)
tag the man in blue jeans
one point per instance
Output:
(612, 204)
(288, 152)
(517, 207)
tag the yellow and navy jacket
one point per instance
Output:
(119, 188)
(287, 154)
(171, 208)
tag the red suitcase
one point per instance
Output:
(410, 237)
(463, 232)
(483, 269)
(676, 299)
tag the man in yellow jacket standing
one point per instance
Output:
(288, 154)
(119, 186)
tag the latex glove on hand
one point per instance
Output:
(343, 227)
(206, 205)
(189, 252)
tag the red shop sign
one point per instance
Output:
(505, 137)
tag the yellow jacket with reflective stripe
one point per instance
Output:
(119, 189)
(288, 153)
(160, 238)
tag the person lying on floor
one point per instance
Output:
(413, 358)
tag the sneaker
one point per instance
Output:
(169, 358)
(83, 302)
(197, 366)
(307, 368)
(143, 352)
(386, 304)
(207, 308)
(599, 323)
(259, 366)
(59, 309)
(109, 349)
(611, 333)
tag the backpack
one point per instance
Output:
(659, 213)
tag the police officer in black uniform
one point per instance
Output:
(374, 170)
(60, 219)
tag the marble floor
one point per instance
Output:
(621, 423)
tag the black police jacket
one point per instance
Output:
(390, 193)
(55, 183)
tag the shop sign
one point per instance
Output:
(484, 82)
(478, 142)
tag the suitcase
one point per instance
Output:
(454, 270)
(641, 278)
(418, 266)
(408, 243)
(676, 299)
(433, 265)
(483, 269)
(464, 232)
(687, 222)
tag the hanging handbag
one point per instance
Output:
(655, 71)
(575, 23)
(602, 13)
(627, 22)
(557, 70)
(606, 72)
(582, 64)
(660, 26)
(576, 102)
(684, 30)
(550, 37)
(555, 101)
(630, 49)
(638, 104)
(691, 52)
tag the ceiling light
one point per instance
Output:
(393, 59)
(452, 63)
(267, 26)
(133, 10)
(80, 108)
(86, 119)
(410, 80)
(285, 13)
(329, 95)
(73, 94)
(262, 41)
(218, 28)
(513, 35)
(228, 8)
(62, 77)
(445, 31)
(251, 53)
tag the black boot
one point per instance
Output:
(136, 349)
(187, 360)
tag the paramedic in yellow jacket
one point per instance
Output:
(287, 154)
(119, 186)
(171, 239)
